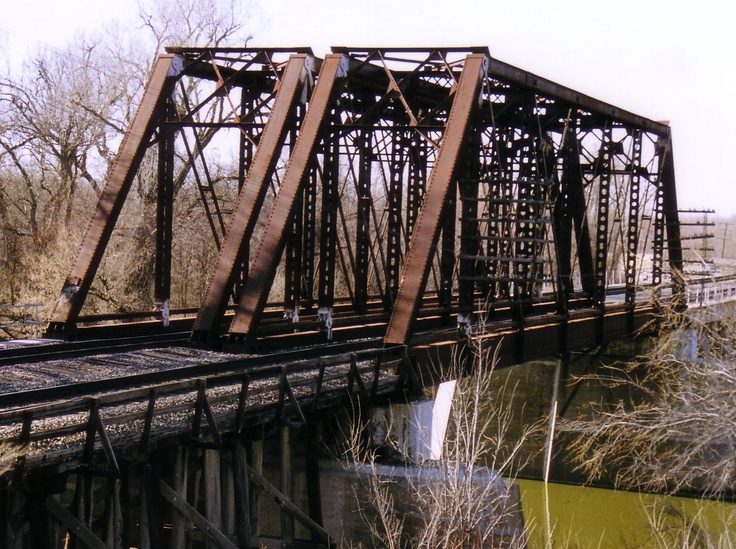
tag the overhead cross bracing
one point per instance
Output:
(393, 185)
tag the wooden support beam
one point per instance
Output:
(311, 464)
(227, 489)
(143, 534)
(114, 527)
(181, 478)
(212, 489)
(354, 378)
(287, 482)
(286, 390)
(289, 506)
(210, 530)
(257, 464)
(74, 525)
(148, 422)
(242, 496)
(13, 517)
(203, 407)
(153, 502)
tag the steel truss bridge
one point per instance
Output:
(404, 184)
(389, 203)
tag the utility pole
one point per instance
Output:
(723, 247)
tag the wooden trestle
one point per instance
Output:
(183, 462)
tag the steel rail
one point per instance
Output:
(240, 364)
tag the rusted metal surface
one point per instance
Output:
(568, 95)
(550, 196)
(113, 195)
(271, 245)
(416, 268)
(251, 197)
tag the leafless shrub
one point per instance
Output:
(679, 434)
(461, 500)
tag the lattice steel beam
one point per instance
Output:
(271, 245)
(251, 199)
(416, 268)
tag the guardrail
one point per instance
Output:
(710, 291)
(28, 316)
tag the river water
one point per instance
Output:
(567, 511)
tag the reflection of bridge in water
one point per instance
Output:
(388, 200)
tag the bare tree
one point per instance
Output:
(192, 23)
(678, 433)
(61, 120)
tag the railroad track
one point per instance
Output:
(92, 420)
(78, 372)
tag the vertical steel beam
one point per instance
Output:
(164, 214)
(394, 230)
(563, 219)
(134, 145)
(417, 181)
(293, 271)
(266, 258)
(469, 231)
(362, 229)
(527, 184)
(605, 167)
(468, 246)
(632, 235)
(426, 233)
(250, 200)
(658, 238)
(287, 484)
(447, 251)
(328, 224)
(667, 196)
(572, 186)
(310, 237)
(245, 158)
(294, 242)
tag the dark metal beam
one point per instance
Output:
(130, 154)
(269, 250)
(164, 214)
(424, 239)
(671, 220)
(546, 87)
(250, 200)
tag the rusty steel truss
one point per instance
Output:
(398, 181)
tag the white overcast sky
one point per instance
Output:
(664, 59)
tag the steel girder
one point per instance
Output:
(111, 201)
(402, 181)
(251, 197)
(271, 245)
(192, 94)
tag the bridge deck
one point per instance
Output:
(101, 407)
